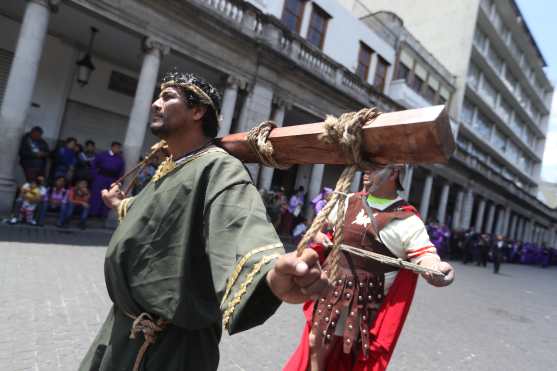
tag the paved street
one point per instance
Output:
(53, 299)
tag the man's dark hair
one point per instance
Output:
(38, 129)
(89, 142)
(115, 143)
(192, 99)
(70, 139)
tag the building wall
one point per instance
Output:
(344, 33)
(452, 48)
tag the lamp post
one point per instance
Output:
(85, 66)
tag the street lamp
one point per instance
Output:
(85, 66)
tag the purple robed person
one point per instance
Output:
(106, 169)
(320, 200)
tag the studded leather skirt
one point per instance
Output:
(350, 307)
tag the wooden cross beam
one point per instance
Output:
(416, 136)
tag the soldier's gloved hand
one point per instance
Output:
(113, 197)
(296, 279)
(441, 281)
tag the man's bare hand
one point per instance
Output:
(297, 279)
(114, 196)
(441, 281)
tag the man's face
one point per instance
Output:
(36, 135)
(116, 148)
(380, 179)
(90, 148)
(170, 113)
(71, 145)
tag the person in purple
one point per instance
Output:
(321, 199)
(106, 169)
(65, 159)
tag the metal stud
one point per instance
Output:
(347, 295)
(333, 323)
(326, 319)
(364, 318)
(352, 313)
(361, 284)
(329, 306)
(324, 332)
(350, 283)
(336, 293)
(328, 336)
(315, 323)
(360, 298)
(369, 298)
(319, 311)
(348, 341)
(379, 296)
(371, 284)
(350, 327)
(337, 311)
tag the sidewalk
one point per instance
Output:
(25, 233)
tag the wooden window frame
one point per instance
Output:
(299, 16)
(381, 60)
(317, 10)
(364, 48)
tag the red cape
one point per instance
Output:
(384, 333)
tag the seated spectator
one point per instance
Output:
(29, 199)
(299, 230)
(84, 162)
(77, 198)
(65, 159)
(41, 182)
(55, 197)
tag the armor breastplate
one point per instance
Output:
(359, 288)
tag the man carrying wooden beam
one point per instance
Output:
(193, 249)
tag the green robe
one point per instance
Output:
(189, 238)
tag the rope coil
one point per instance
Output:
(257, 139)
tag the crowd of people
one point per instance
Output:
(468, 246)
(68, 180)
(480, 248)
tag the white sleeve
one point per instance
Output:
(408, 239)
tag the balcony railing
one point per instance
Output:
(269, 31)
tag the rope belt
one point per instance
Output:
(144, 323)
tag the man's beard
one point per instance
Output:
(160, 131)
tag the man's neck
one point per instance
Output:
(389, 195)
(178, 146)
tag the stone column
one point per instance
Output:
(426, 196)
(528, 231)
(443, 200)
(506, 219)
(500, 221)
(266, 173)
(153, 51)
(315, 183)
(480, 216)
(457, 210)
(407, 184)
(19, 92)
(228, 105)
(355, 186)
(512, 230)
(490, 218)
(467, 209)
(256, 109)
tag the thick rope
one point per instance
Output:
(257, 139)
(155, 149)
(346, 131)
(144, 323)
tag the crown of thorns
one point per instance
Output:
(192, 84)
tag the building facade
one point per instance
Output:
(501, 104)
(270, 60)
(292, 61)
